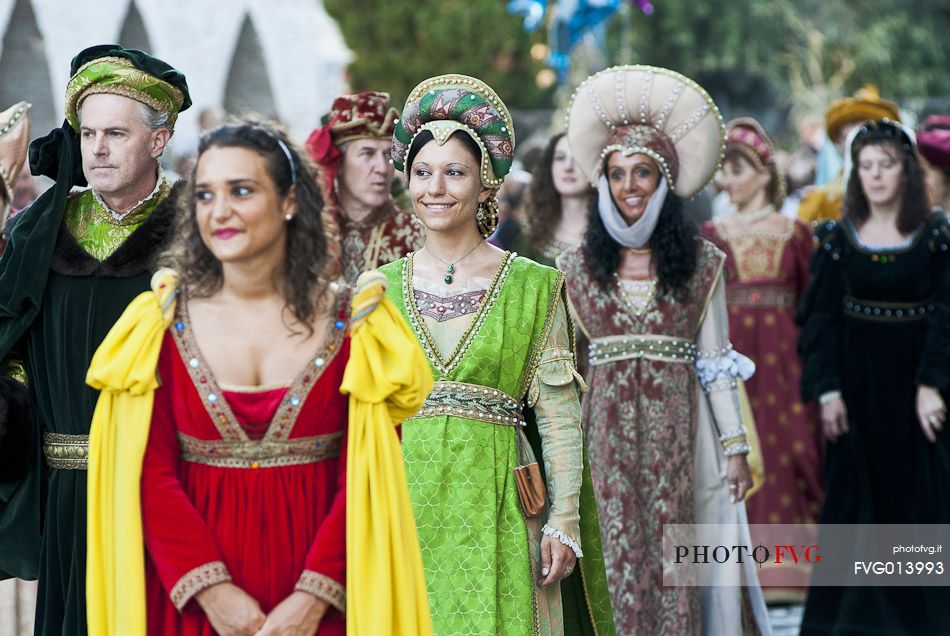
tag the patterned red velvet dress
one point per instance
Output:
(388, 234)
(651, 433)
(766, 274)
(244, 486)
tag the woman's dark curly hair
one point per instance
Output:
(312, 255)
(543, 205)
(673, 249)
(914, 209)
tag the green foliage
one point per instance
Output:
(397, 44)
(811, 51)
(808, 51)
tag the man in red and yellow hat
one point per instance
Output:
(824, 202)
(353, 151)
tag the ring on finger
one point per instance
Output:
(933, 419)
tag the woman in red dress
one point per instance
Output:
(767, 271)
(243, 498)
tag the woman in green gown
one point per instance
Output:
(496, 331)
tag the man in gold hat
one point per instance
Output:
(824, 202)
(353, 151)
(74, 261)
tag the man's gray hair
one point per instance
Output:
(154, 119)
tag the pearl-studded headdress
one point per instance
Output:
(651, 111)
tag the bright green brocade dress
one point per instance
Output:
(481, 555)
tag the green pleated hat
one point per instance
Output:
(450, 103)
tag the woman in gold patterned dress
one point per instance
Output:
(766, 274)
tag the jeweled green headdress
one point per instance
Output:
(450, 103)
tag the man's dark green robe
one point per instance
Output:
(57, 303)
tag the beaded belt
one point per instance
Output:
(616, 348)
(66, 452)
(886, 312)
(777, 297)
(471, 401)
(260, 453)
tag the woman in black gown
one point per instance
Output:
(875, 343)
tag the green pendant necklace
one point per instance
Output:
(450, 267)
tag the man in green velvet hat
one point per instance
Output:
(74, 262)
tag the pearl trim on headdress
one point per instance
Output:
(596, 95)
(431, 85)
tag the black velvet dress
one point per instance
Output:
(875, 325)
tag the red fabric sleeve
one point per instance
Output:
(324, 572)
(181, 545)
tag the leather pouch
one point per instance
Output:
(531, 490)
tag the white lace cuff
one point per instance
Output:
(563, 538)
(718, 370)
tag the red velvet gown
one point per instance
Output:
(246, 487)
(767, 272)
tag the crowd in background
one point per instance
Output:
(690, 325)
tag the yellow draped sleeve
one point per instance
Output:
(123, 370)
(755, 459)
(387, 378)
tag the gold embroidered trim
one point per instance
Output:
(196, 580)
(262, 453)
(16, 370)
(777, 297)
(134, 216)
(637, 295)
(323, 587)
(66, 452)
(446, 366)
(534, 360)
(471, 401)
(289, 408)
(666, 348)
(78, 89)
